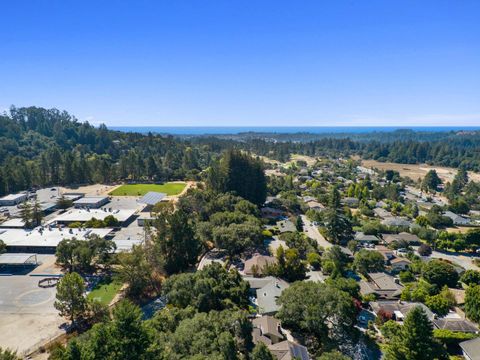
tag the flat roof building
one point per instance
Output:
(13, 199)
(83, 215)
(91, 202)
(44, 239)
(15, 223)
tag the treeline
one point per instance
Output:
(40, 147)
(453, 149)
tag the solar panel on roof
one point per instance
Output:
(152, 197)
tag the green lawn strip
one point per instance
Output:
(105, 291)
(142, 189)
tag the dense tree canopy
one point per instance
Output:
(212, 288)
(239, 173)
(440, 273)
(321, 312)
(414, 340)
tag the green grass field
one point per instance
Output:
(142, 189)
(105, 292)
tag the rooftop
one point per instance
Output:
(18, 259)
(152, 198)
(13, 223)
(12, 196)
(471, 348)
(46, 237)
(82, 215)
(90, 199)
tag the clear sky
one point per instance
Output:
(233, 63)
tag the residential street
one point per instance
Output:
(313, 233)
(462, 260)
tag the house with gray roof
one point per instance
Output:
(266, 329)
(457, 219)
(411, 239)
(471, 349)
(288, 350)
(399, 309)
(382, 213)
(286, 226)
(350, 202)
(381, 285)
(454, 321)
(365, 239)
(268, 294)
(257, 264)
(396, 221)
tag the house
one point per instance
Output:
(471, 349)
(365, 239)
(455, 321)
(288, 350)
(382, 213)
(457, 219)
(398, 309)
(411, 239)
(381, 285)
(400, 264)
(387, 253)
(266, 329)
(286, 226)
(315, 205)
(271, 213)
(256, 264)
(350, 202)
(381, 204)
(268, 294)
(307, 199)
(396, 221)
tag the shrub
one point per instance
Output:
(449, 337)
(425, 250)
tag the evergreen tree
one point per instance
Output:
(71, 301)
(472, 303)
(261, 352)
(26, 214)
(431, 181)
(414, 340)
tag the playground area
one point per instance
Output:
(27, 313)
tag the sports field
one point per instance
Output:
(171, 188)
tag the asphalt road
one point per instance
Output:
(313, 233)
(462, 260)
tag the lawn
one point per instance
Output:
(141, 189)
(105, 291)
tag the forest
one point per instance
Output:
(41, 147)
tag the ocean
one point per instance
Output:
(227, 130)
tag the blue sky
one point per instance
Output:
(231, 63)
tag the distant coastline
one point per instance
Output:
(233, 130)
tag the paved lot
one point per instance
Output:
(27, 314)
